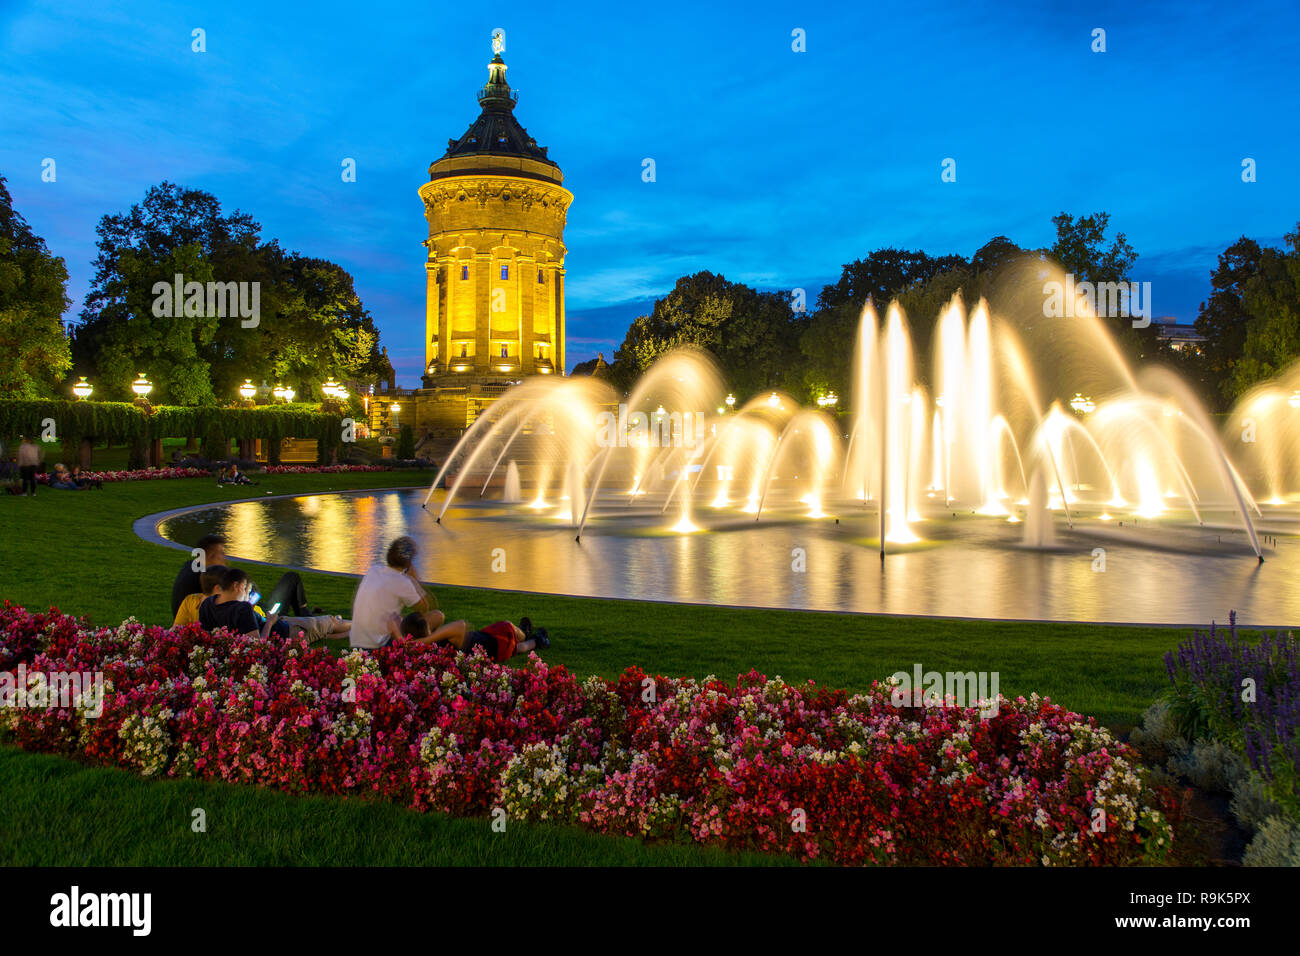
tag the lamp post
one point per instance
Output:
(731, 403)
(247, 391)
(1082, 404)
(150, 451)
(335, 395)
(82, 390)
(142, 387)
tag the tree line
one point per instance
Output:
(762, 340)
(310, 324)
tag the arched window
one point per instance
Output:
(464, 272)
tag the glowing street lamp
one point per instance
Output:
(1082, 404)
(774, 400)
(82, 389)
(247, 390)
(731, 402)
(330, 389)
(142, 386)
(284, 393)
(828, 400)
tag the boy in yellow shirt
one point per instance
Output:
(188, 612)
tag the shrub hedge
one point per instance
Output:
(127, 423)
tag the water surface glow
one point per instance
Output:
(1168, 572)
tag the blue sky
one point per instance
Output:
(773, 167)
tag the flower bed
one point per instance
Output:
(754, 764)
(320, 469)
(154, 474)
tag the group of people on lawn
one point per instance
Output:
(60, 479)
(222, 596)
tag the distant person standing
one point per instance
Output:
(29, 459)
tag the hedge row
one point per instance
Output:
(124, 422)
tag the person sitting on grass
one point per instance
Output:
(82, 480)
(288, 592)
(61, 479)
(229, 607)
(388, 588)
(188, 612)
(233, 476)
(187, 580)
(500, 640)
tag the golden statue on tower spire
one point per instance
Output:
(498, 42)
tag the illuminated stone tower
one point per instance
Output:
(496, 208)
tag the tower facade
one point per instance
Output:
(496, 208)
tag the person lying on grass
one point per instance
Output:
(388, 589)
(501, 640)
(231, 606)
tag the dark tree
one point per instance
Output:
(33, 296)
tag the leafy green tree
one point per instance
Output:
(1272, 301)
(1081, 248)
(753, 335)
(310, 325)
(131, 339)
(883, 275)
(33, 295)
(1223, 317)
(173, 230)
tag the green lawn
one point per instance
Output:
(57, 812)
(77, 551)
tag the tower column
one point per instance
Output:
(482, 312)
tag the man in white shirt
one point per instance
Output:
(388, 588)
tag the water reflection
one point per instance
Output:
(971, 567)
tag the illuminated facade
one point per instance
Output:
(496, 209)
